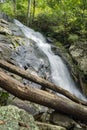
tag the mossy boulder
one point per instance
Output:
(78, 51)
(13, 118)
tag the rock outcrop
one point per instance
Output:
(78, 51)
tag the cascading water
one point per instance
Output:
(59, 72)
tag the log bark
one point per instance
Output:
(41, 97)
(27, 75)
(48, 126)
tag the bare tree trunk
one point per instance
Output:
(33, 10)
(37, 79)
(14, 7)
(28, 13)
(43, 98)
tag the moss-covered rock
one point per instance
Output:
(4, 28)
(78, 51)
(13, 118)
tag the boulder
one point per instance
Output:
(4, 28)
(67, 122)
(62, 120)
(6, 17)
(13, 118)
(30, 107)
(79, 54)
(78, 51)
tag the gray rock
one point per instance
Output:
(5, 51)
(62, 120)
(15, 30)
(4, 28)
(13, 118)
(30, 107)
(28, 56)
(6, 17)
(79, 54)
(3, 21)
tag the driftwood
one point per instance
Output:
(58, 103)
(48, 126)
(41, 81)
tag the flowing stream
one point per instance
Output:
(59, 71)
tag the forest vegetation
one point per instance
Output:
(64, 20)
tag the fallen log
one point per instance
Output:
(27, 75)
(41, 97)
(48, 126)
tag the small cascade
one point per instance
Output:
(59, 72)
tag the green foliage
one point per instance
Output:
(6, 7)
(3, 97)
(73, 37)
(65, 16)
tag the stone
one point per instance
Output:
(30, 107)
(13, 118)
(5, 51)
(3, 21)
(4, 28)
(79, 53)
(5, 17)
(62, 120)
(15, 30)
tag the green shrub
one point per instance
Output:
(3, 97)
(73, 38)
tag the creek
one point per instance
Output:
(59, 72)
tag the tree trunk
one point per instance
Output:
(33, 13)
(38, 80)
(43, 98)
(28, 13)
(14, 6)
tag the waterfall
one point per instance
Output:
(59, 71)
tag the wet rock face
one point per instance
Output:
(79, 53)
(13, 118)
(30, 57)
(23, 52)
(5, 17)
(5, 50)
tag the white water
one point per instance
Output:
(59, 72)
